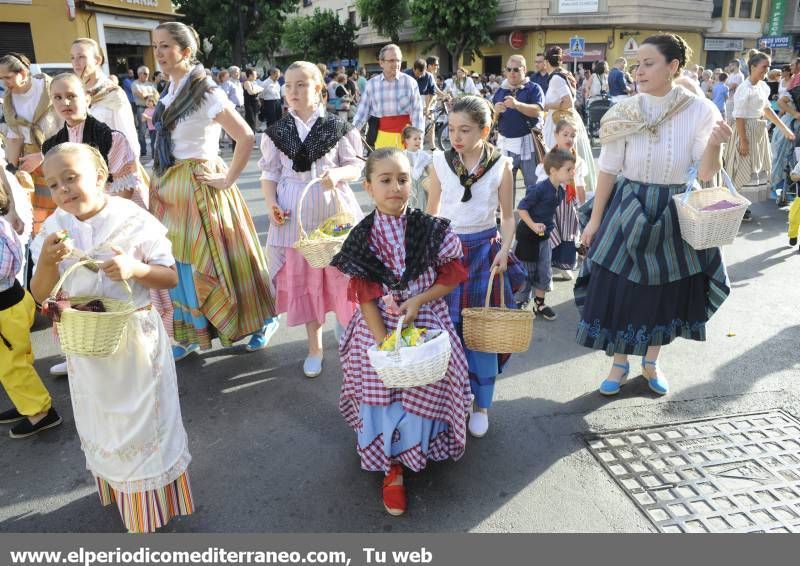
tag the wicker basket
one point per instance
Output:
(319, 251)
(703, 229)
(412, 367)
(497, 329)
(92, 334)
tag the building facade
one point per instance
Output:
(44, 29)
(716, 30)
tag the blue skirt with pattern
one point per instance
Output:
(480, 250)
(642, 285)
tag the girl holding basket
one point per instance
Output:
(308, 157)
(402, 262)
(126, 404)
(469, 183)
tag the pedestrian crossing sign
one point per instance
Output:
(577, 46)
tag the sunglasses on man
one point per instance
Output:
(513, 69)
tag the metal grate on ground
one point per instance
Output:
(735, 473)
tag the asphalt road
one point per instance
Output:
(272, 454)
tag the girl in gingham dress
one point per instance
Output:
(400, 260)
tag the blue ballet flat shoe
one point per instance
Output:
(259, 340)
(658, 384)
(179, 352)
(610, 387)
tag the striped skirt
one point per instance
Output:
(562, 238)
(146, 511)
(224, 288)
(641, 285)
(756, 168)
(480, 250)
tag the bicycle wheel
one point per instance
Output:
(443, 137)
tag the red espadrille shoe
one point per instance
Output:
(394, 496)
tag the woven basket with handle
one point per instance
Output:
(703, 229)
(497, 329)
(92, 334)
(413, 366)
(319, 251)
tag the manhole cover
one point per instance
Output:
(738, 473)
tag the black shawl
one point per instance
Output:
(324, 135)
(95, 133)
(423, 238)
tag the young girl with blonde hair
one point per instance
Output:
(125, 405)
(108, 104)
(317, 152)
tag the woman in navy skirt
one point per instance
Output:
(642, 286)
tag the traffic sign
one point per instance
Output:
(631, 48)
(577, 47)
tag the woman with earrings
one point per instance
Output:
(559, 103)
(224, 287)
(30, 119)
(641, 285)
(109, 103)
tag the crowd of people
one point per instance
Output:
(443, 230)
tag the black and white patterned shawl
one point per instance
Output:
(324, 135)
(423, 238)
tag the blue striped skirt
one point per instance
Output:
(641, 284)
(480, 250)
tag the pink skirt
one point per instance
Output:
(306, 294)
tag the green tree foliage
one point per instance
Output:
(386, 16)
(320, 37)
(240, 31)
(460, 26)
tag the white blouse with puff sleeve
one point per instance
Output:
(663, 158)
(197, 136)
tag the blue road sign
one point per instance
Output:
(577, 47)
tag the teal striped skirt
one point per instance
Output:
(641, 285)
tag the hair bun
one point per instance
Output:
(554, 55)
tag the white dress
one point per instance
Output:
(126, 406)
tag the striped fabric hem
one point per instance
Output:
(184, 333)
(144, 512)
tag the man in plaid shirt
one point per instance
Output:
(390, 102)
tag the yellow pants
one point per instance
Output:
(19, 378)
(794, 218)
(388, 139)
